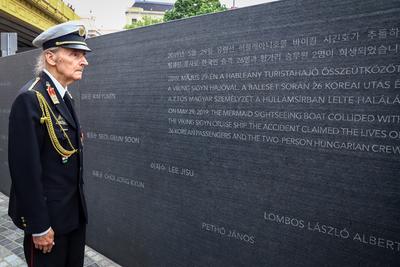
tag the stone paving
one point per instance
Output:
(11, 251)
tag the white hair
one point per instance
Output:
(41, 60)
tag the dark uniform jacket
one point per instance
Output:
(44, 191)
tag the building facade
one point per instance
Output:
(143, 8)
(29, 18)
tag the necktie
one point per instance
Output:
(70, 104)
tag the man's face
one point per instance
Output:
(69, 65)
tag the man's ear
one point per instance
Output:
(51, 58)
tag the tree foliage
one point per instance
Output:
(189, 8)
(145, 21)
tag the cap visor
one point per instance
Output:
(78, 47)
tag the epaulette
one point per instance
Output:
(34, 83)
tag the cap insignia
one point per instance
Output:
(82, 31)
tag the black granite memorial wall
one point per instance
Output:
(262, 136)
(15, 71)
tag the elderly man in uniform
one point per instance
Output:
(45, 153)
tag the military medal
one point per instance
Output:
(61, 122)
(52, 94)
(64, 160)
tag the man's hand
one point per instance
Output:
(45, 242)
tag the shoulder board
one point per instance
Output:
(34, 83)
